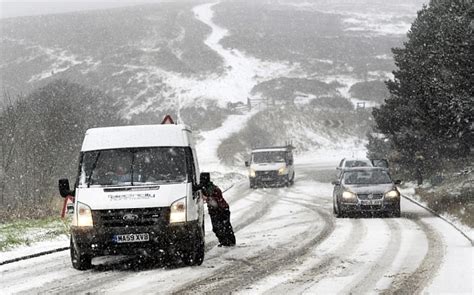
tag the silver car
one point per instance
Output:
(366, 189)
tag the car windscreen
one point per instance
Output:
(367, 177)
(137, 166)
(268, 157)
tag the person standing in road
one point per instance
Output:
(219, 213)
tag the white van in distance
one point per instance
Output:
(137, 189)
(271, 166)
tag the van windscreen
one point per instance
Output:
(137, 166)
(268, 157)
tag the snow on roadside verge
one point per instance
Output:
(408, 189)
(35, 248)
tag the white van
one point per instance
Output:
(137, 190)
(271, 166)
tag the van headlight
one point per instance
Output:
(83, 216)
(393, 194)
(178, 211)
(252, 173)
(282, 171)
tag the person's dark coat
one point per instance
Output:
(220, 215)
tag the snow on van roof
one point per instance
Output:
(271, 149)
(136, 136)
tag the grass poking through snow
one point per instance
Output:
(25, 232)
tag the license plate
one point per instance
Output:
(131, 238)
(371, 202)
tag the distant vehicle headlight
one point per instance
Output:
(178, 211)
(83, 216)
(252, 173)
(347, 195)
(393, 194)
(282, 171)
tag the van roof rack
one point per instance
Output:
(288, 147)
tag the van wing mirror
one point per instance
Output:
(398, 181)
(64, 189)
(336, 182)
(290, 162)
(247, 164)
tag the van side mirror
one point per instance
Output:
(64, 189)
(247, 164)
(336, 182)
(290, 162)
(338, 168)
(398, 181)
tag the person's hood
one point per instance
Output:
(370, 188)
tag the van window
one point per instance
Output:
(190, 168)
(135, 166)
(269, 157)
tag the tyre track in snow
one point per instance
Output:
(366, 280)
(246, 271)
(102, 275)
(268, 201)
(416, 281)
(301, 281)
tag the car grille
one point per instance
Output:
(131, 217)
(267, 174)
(370, 207)
(366, 196)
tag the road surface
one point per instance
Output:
(288, 242)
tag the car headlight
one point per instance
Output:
(83, 216)
(347, 195)
(393, 194)
(282, 171)
(178, 211)
(252, 173)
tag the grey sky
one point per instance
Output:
(17, 8)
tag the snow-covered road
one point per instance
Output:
(287, 242)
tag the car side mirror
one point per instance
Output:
(336, 182)
(398, 181)
(338, 168)
(290, 162)
(64, 189)
(247, 164)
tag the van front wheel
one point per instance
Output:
(79, 259)
(195, 255)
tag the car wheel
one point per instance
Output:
(79, 259)
(397, 211)
(339, 211)
(252, 184)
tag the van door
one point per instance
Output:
(194, 199)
